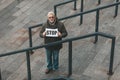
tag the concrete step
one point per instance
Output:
(90, 61)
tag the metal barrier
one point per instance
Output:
(96, 34)
(97, 10)
(0, 75)
(110, 72)
(75, 2)
(99, 1)
(55, 6)
(81, 10)
(116, 9)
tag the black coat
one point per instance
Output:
(61, 29)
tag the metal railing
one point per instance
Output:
(110, 72)
(81, 9)
(97, 10)
(63, 3)
(0, 75)
(116, 9)
(99, 2)
(96, 34)
(75, 2)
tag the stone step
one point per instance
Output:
(91, 57)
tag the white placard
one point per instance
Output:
(51, 32)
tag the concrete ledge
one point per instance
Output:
(60, 78)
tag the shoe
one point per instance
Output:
(55, 70)
(48, 71)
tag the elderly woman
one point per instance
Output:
(52, 31)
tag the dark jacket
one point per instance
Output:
(61, 29)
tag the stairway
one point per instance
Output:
(90, 61)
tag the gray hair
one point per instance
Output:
(51, 13)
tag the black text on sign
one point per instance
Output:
(51, 32)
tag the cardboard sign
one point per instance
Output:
(51, 32)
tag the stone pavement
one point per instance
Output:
(90, 61)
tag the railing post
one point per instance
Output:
(30, 39)
(99, 2)
(116, 9)
(111, 57)
(55, 11)
(0, 74)
(70, 59)
(81, 10)
(75, 2)
(97, 25)
(28, 65)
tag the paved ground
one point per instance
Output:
(90, 61)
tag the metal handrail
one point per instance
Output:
(56, 5)
(58, 42)
(99, 2)
(70, 42)
(92, 10)
(89, 11)
(97, 10)
(75, 2)
(81, 10)
(70, 51)
(0, 75)
(116, 9)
